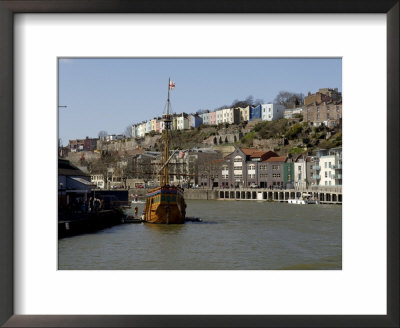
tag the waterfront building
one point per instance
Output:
(291, 112)
(209, 173)
(186, 168)
(328, 171)
(195, 120)
(158, 125)
(329, 114)
(98, 180)
(73, 184)
(288, 173)
(271, 112)
(212, 118)
(241, 167)
(205, 117)
(302, 171)
(255, 113)
(182, 122)
(275, 168)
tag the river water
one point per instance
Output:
(234, 235)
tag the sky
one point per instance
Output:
(110, 94)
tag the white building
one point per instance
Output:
(134, 131)
(300, 172)
(271, 112)
(219, 116)
(142, 129)
(230, 115)
(98, 180)
(330, 167)
(290, 112)
(182, 122)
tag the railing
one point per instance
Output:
(316, 177)
(316, 167)
(339, 166)
(338, 176)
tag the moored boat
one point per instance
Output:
(165, 204)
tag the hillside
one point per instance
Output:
(284, 136)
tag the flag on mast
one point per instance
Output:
(171, 85)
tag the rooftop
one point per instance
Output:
(276, 159)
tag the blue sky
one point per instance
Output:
(110, 94)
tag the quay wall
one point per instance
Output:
(324, 195)
(201, 194)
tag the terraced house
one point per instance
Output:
(242, 167)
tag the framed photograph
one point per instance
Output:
(54, 48)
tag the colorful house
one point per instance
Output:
(255, 113)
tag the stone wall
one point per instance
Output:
(200, 194)
(89, 156)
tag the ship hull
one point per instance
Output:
(165, 205)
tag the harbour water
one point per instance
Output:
(234, 235)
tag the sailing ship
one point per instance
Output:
(165, 204)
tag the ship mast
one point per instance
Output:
(164, 178)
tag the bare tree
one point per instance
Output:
(128, 131)
(289, 99)
(102, 134)
(249, 101)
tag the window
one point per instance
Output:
(326, 165)
(326, 174)
(276, 175)
(275, 167)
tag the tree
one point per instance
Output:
(289, 99)
(128, 131)
(249, 101)
(102, 134)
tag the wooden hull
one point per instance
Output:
(165, 205)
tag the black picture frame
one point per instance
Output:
(10, 7)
